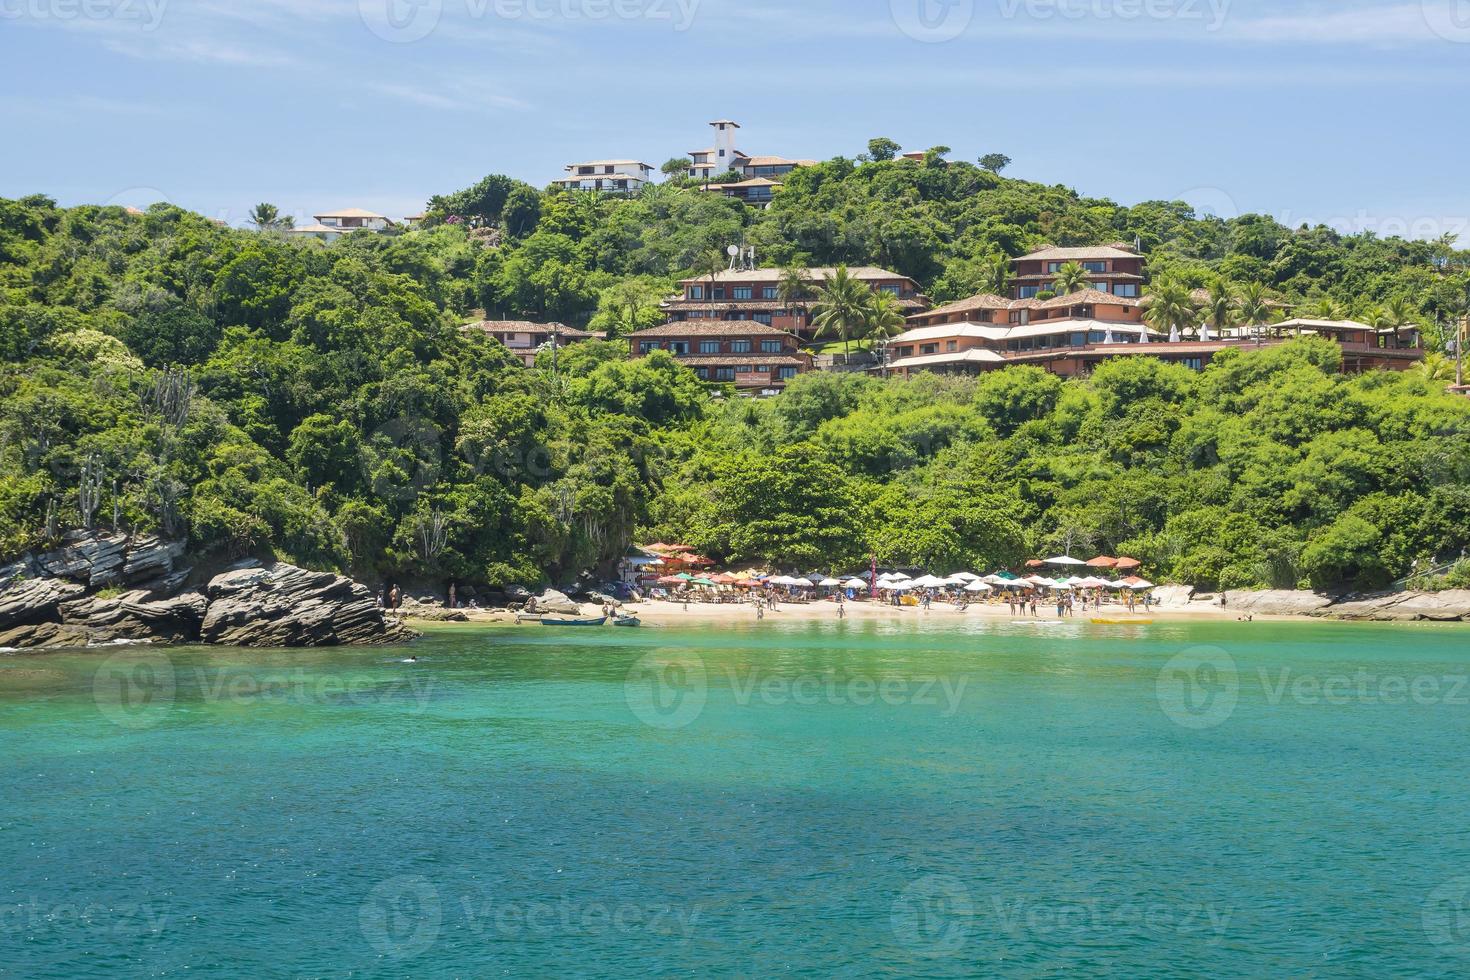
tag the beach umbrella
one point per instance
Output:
(671, 580)
(1075, 581)
(1138, 584)
(814, 577)
(724, 579)
(901, 586)
(1124, 564)
(1064, 560)
(854, 583)
(702, 581)
(1102, 561)
(1038, 580)
(1036, 563)
(830, 583)
(977, 587)
(966, 576)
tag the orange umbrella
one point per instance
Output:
(1103, 561)
(1126, 563)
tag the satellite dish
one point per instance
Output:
(733, 251)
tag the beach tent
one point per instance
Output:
(1064, 560)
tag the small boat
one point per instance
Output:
(600, 621)
(1122, 622)
(627, 621)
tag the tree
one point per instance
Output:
(794, 288)
(266, 217)
(882, 149)
(1071, 278)
(1170, 307)
(1254, 306)
(676, 167)
(1221, 308)
(995, 162)
(842, 306)
(883, 317)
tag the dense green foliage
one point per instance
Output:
(322, 401)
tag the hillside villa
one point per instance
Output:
(608, 176)
(1115, 269)
(754, 294)
(755, 358)
(525, 339)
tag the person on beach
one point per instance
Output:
(452, 604)
(395, 598)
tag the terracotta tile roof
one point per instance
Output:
(1117, 250)
(349, 213)
(816, 275)
(984, 301)
(527, 326)
(1049, 276)
(752, 182)
(1093, 296)
(712, 328)
(777, 162)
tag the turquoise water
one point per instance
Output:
(851, 799)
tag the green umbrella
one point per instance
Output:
(700, 581)
(685, 576)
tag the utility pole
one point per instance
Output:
(1460, 351)
(555, 334)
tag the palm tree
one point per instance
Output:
(1071, 278)
(794, 288)
(1437, 367)
(995, 275)
(267, 217)
(883, 318)
(1323, 308)
(1443, 249)
(1170, 306)
(711, 264)
(842, 305)
(1254, 306)
(1220, 309)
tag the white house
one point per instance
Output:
(353, 219)
(318, 230)
(720, 158)
(612, 176)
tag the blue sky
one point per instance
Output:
(1346, 112)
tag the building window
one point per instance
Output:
(788, 373)
(928, 348)
(719, 292)
(1194, 363)
(1077, 339)
(1052, 267)
(696, 292)
(739, 347)
(678, 347)
(891, 290)
(762, 369)
(951, 346)
(742, 292)
(725, 374)
(1095, 266)
(1029, 292)
(763, 318)
(770, 346)
(709, 346)
(1129, 289)
(770, 292)
(1102, 287)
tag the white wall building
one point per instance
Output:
(613, 176)
(720, 158)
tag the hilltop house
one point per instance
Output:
(525, 339)
(608, 176)
(754, 294)
(720, 158)
(755, 191)
(354, 219)
(756, 358)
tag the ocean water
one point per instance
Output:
(836, 799)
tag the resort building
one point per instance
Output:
(354, 219)
(1116, 269)
(754, 294)
(607, 176)
(755, 358)
(525, 339)
(771, 166)
(1071, 334)
(757, 190)
(412, 221)
(317, 230)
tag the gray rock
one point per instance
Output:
(1278, 602)
(1173, 595)
(552, 601)
(150, 557)
(131, 616)
(35, 600)
(43, 635)
(1407, 607)
(286, 606)
(91, 556)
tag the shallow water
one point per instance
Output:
(849, 799)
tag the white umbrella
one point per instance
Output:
(1092, 583)
(977, 587)
(997, 580)
(814, 577)
(1174, 334)
(1075, 581)
(830, 583)
(901, 586)
(1204, 331)
(1065, 560)
(967, 576)
(854, 583)
(927, 582)
(1038, 580)
(1139, 586)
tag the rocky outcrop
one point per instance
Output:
(100, 587)
(286, 606)
(1407, 606)
(1277, 602)
(556, 603)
